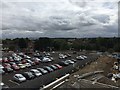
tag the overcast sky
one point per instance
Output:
(59, 18)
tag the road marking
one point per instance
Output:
(14, 82)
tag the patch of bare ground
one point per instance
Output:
(103, 63)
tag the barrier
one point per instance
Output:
(53, 84)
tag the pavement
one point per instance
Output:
(47, 78)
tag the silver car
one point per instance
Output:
(19, 78)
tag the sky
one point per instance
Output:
(59, 18)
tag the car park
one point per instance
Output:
(36, 72)
(43, 71)
(19, 78)
(28, 75)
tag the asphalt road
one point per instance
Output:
(48, 78)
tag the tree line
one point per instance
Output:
(48, 44)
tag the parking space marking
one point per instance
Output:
(14, 82)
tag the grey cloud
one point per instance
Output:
(70, 19)
(102, 18)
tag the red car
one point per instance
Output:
(58, 66)
(24, 61)
(11, 59)
(36, 62)
(15, 67)
(6, 65)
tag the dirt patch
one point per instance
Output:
(103, 63)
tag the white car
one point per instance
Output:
(118, 75)
(22, 66)
(85, 57)
(36, 72)
(62, 56)
(45, 59)
(35, 58)
(28, 65)
(19, 78)
(80, 58)
(28, 57)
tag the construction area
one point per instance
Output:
(98, 74)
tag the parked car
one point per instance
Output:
(62, 56)
(45, 59)
(19, 78)
(15, 67)
(43, 71)
(80, 58)
(36, 72)
(1, 60)
(5, 60)
(35, 58)
(36, 62)
(27, 57)
(28, 75)
(54, 67)
(10, 59)
(49, 69)
(22, 66)
(63, 63)
(73, 60)
(85, 57)
(69, 61)
(23, 61)
(68, 55)
(27, 65)
(6, 65)
(58, 66)
(12, 63)
(74, 52)
(31, 62)
(8, 69)
(2, 71)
